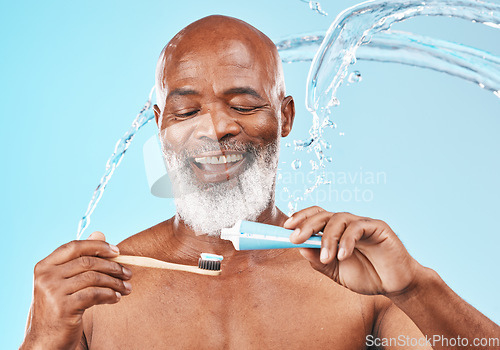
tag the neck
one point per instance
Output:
(189, 243)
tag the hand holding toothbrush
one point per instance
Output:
(73, 278)
(359, 253)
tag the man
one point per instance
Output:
(221, 112)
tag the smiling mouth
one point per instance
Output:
(231, 158)
(218, 167)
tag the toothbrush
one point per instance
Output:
(247, 235)
(208, 264)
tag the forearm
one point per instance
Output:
(440, 313)
(32, 343)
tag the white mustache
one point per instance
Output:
(221, 146)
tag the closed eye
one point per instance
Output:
(187, 114)
(245, 109)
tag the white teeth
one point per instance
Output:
(219, 160)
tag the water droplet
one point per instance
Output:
(354, 77)
(325, 144)
(296, 164)
(341, 134)
(334, 102)
(300, 145)
(481, 85)
(288, 144)
(328, 123)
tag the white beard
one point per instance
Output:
(211, 207)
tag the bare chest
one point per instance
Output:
(249, 310)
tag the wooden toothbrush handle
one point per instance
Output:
(159, 264)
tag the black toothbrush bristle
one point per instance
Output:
(213, 265)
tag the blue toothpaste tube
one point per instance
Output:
(248, 235)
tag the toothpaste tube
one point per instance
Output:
(248, 235)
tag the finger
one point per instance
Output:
(85, 298)
(332, 233)
(300, 216)
(96, 279)
(91, 263)
(354, 232)
(310, 226)
(76, 249)
(97, 236)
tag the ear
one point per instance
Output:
(287, 115)
(157, 112)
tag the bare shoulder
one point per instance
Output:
(146, 242)
(380, 316)
(392, 322)
(338, 300)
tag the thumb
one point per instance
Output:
(96, 236)
(312, 255)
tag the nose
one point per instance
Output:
(216, 125)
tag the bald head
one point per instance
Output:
(221, 40)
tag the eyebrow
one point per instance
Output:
(181, 92)
(243, 91)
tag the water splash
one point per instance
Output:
(315, 6)
(357, 25)
(471, 64)
(368, 24)
(143, 117)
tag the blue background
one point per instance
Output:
(74, 75)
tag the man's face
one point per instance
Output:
(218, 94)
(220, 129)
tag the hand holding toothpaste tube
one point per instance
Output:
(359, 253)
(367, 257)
